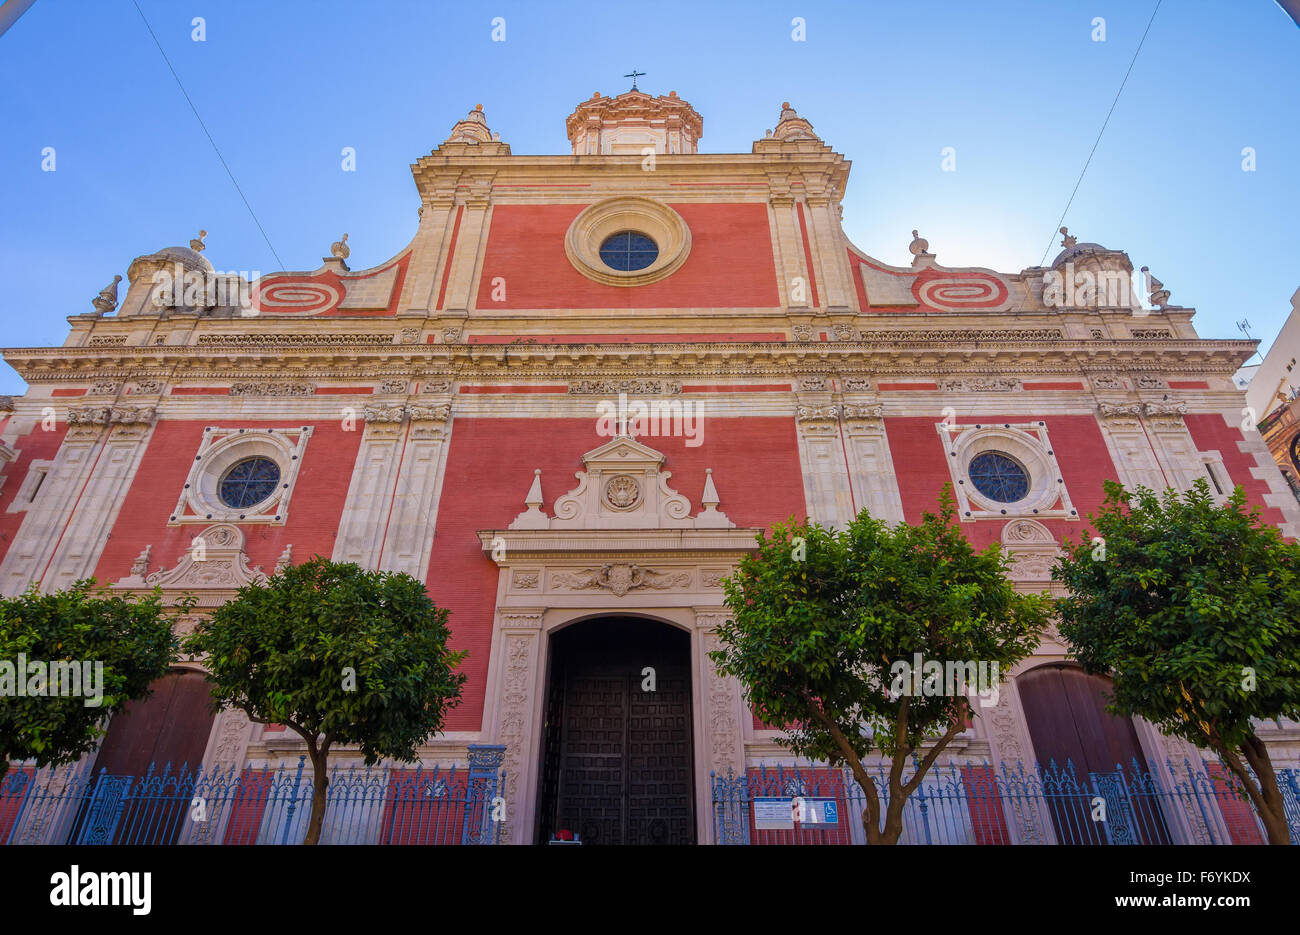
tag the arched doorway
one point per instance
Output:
(617, 759)
(1080, 745)
(168, 728)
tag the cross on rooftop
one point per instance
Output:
(634, 75)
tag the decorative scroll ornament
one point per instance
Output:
(340, 248)
(1119, 410)
(630, 387)
(1032, 548)
(982, 385)
(429, 413)
(619, 579)
(215, 559)
(383, 413)
(272, 389)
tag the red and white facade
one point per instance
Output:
(437, 414)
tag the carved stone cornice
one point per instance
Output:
(931, 353)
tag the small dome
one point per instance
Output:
(191, 259)
(1080, 249)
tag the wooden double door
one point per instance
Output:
(617, 764)
(1090, 756)
(167, 733)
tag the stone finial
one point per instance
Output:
(472, 128)
(106, 301)
(533, 517)
(711, 517)
(140, 567)
(1159, 294)
(1067, 239)
(793, 127)
(198, 244)
(919, 245)
(284, 561)
(340, 249)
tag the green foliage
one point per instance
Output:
(1188, 599)
(130, 635)
(813, 640)
(282, 653)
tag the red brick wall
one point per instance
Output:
(1211, 432)
(490, 465)
(919, 459)
(730, 264)
(37, 445)
(314, 509)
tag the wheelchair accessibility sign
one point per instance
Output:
(772, 813)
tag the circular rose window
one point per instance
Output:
(627, 241)
(249, 482)
(628, 251)
(999, 477)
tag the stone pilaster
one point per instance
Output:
(519, 643)
(825, 473)
(361, 526)
(419, 484)
(871, 466)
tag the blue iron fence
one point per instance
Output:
(381, 805)
(986, 804)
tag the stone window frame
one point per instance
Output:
(220, 450)
(25, 498)
(597, 222)
(1026, 442)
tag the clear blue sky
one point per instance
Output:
(1018, 89)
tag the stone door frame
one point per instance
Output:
(550, 580)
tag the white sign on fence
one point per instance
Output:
(779, 813)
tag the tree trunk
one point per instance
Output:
(319, 781)
(1271, 813)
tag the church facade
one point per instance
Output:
(568, 406)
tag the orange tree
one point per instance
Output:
(122, 643)
(823, 623)
(1193, 610)
(339, 655)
